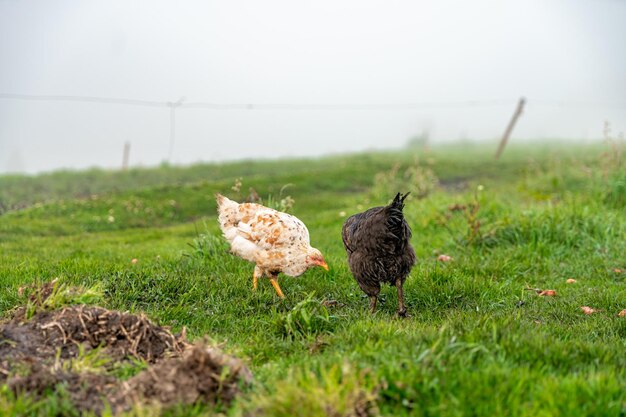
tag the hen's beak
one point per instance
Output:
(323, 265)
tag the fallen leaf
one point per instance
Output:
(622, 313)
(444, 258)
(133, 261)
(540, 292)
(571, 281)
(588, 310)
(618, 271)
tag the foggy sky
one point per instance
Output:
(566, 57)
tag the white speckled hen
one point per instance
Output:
(275, 241)
(379, 251)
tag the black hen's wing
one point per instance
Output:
(346, 234)
(379, 230)
(363, 237)
(364, 231)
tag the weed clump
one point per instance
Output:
(474, 222)
(418, 179)
(53, 295)
(207, 245)
(306, 319)
(281, 202)
(338, 391)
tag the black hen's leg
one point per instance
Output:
(401, 307)
(373, 299)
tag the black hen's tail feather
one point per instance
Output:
(395, 218)
(398, 201)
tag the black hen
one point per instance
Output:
(377, 242)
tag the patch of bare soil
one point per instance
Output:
(203, 374)
(36, 356)
(121, 334)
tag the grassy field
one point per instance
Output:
(479, 341)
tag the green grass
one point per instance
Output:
(477, 342)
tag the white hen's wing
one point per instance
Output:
(261, 234)
(272, 230)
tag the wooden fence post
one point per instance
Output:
(126, 155)
(509, 128)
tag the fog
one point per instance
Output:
(303, 78)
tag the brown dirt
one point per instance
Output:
(121, 334)
(36, 354)
(199, 376)
(86, 391)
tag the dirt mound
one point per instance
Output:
(87, 391)
(203, 374)
(121, 334)
(39, 353)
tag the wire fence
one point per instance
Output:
(182, 104)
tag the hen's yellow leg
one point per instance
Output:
(255, 277)
(276, 287)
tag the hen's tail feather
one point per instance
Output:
(220, 199)
(226, 208)
(398, 201)
(223, 201)
(395, 217)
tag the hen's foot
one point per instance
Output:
(277, 287)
